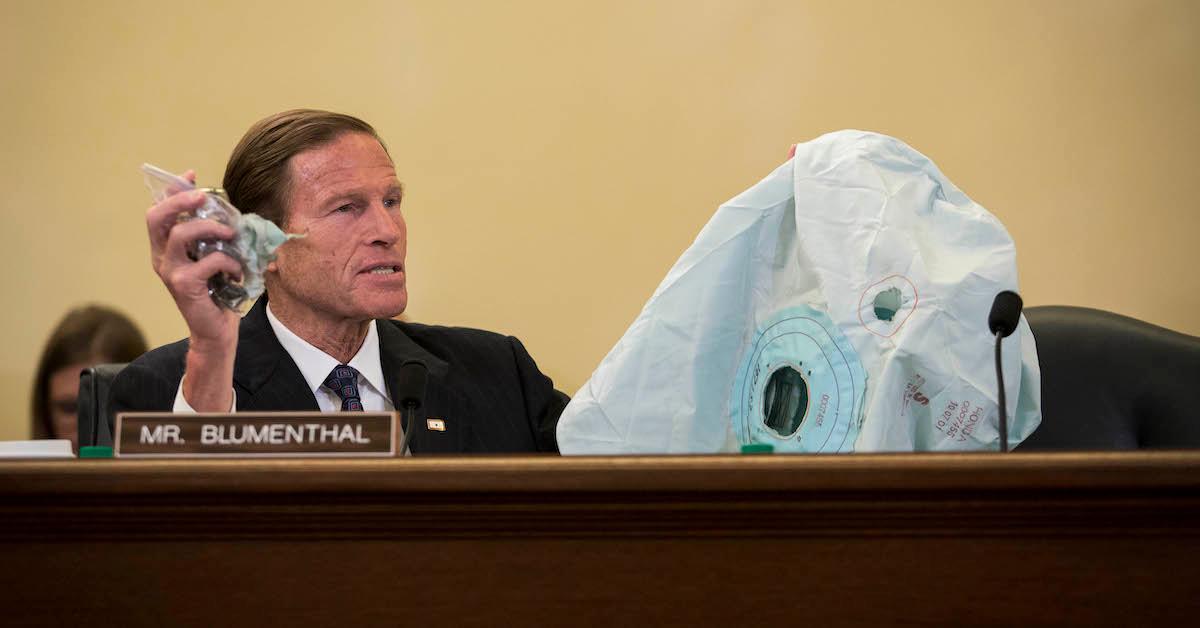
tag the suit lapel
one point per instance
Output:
(266, 378)
(264, 375)
(442, 403)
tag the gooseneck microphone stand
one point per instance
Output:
(1003, 320)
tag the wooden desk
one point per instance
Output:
(868, 540)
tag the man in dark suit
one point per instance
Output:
(325, 339)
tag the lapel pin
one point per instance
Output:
(436, 425)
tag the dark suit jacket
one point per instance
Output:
(484, 385)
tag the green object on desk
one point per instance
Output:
(758, 448)
(96, 451)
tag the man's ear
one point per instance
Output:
(272, 267)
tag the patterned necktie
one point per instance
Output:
(343, 381)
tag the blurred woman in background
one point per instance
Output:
(86, 336)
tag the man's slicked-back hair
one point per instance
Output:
(257, 177)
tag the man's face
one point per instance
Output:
(350, 267)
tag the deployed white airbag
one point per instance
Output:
(838, 305)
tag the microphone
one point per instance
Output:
(1005, 314)
(1002, 321)
(410, 392)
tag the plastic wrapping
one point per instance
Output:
(253, 247)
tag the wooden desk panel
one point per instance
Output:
(1029, 539)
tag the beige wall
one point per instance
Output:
(560, 155)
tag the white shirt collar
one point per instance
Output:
(315, 365)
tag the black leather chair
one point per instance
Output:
(1111, 382)
(92, 407)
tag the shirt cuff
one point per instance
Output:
(182, 406)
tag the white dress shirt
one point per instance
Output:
(315, 365)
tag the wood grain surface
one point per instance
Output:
(931, 539)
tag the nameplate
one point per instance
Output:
(256, 435)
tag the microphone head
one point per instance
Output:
(1005, 314)
(410, 383)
